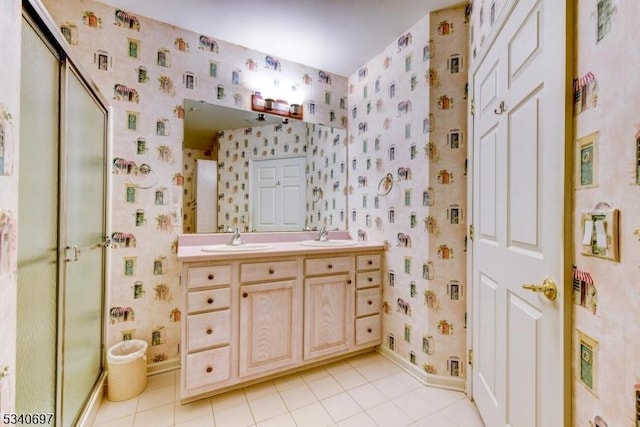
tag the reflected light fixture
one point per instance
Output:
(278, 107)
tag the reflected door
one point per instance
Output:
(278, 194)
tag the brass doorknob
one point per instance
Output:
(548, 288)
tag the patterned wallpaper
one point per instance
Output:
(607, 97)
(407, 116)
(9, 136)
(147, 68)
(323, 147)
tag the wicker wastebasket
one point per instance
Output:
(126, 370)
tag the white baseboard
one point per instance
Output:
(164, 366)
(440, 381)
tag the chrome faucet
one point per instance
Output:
(236, 239)
(323, 235)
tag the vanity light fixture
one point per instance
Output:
(278, 107)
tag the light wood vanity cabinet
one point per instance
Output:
(270, 316)
(263, 316)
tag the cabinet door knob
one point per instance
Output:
(210, 277)
(209, 369)
(210, 301)
(369, 330)
(370, 279)
(369, 302)
(370, 262)
(209, 331)
(330, 266)
(271, 271)
(348, 281)
(244, 295)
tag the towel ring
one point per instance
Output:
(385, 185)
(317, 194)
(145, 169)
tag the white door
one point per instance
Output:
(519, 339)
(278, 194)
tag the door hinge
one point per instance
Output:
(470, 231)
(473, 106)
(470, 357)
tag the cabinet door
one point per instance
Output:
(328, 308)
(270, 329)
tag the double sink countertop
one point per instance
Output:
(209, 247)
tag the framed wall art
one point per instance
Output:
(587, 161)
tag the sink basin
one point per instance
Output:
(247, 247)
(329, 243)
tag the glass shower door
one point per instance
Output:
(82, 231)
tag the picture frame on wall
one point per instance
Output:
(587, 364)
(587, 161)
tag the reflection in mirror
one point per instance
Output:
(235, 141)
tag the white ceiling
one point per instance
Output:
(337, 36)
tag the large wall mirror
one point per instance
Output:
(260, 173)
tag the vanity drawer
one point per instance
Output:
(208, 329)
(264, 271)
(331, 265)
(367, 279)
(368, 262)
(200, 277)
(211, 299)
(367, 302)
(368, 330)
(206, 368)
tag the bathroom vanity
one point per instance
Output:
(273, 308)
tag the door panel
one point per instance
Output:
(37, 225)
(266, 207)
(524, 174)
(523, 334)
(270, 322)
(83, 204)
(328, 308)
(487, 186)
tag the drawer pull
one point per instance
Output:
(370, 262)
(210, 277)
(349, 282)
(244, 295)
(330, 266)
(370, 279)
(369, 302)
(210, 301)
(209, 369)
(209, 331)
(369, 330)
(271, 271)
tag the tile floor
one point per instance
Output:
(366, 390)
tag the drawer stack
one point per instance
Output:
(368, 295)
(208, 327)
